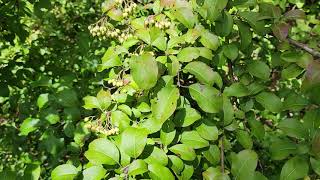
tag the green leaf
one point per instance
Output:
(256, 127)
(144, 71)
(137, 167)
(32, 172)
(254, 19)
(158, 39)
(157, 156)
(292, 71)
(165, 103)
(102, 151)
(228, 111)
(207, 130)
(185, 16)
(214, 174)
(191, 36)
(185, 152)
(176, 164)
(205, 52)
(160, 172)
(282, 148)
(212, 9)
(133, 141)
(64, 172)
(244, 164)
(68, 98)
(212, 154)
(186, 117)
(120, 120)
(193, 139)
(236, 89)
(188, 54)
(102, 101)
(210, 40)
(187, 172)
(294, 168)
(167, 133)
(94, 173)
(259, 69)
(201, 94)
(245, 35)
(310, 120)
(301, 59)
(295, 102)
(231, 51)
(29, 125)
(315, 164)
(203, 73)
(151, 125)
(224, 24)
(259, 176)
(173, 66)
(315, 146)
(269, 101)
(144, 35)
(110, 59)
(42, 100)
(244, 139)
(293, 128)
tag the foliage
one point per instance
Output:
(163, 89)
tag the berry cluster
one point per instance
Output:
(163, 24)
(116, 82)
(128, 10)
(102, 31)
(99, 129)
(123, 37)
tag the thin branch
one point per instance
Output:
(305, 47)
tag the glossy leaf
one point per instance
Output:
(137, 167)
(244, 164)
(294, 168)
(102, 151)
(269, 101)
(185, 152)
(94, 173)
(133, 141)
(144, 71)
(193, 139)
(202, 93)
(65, 171)
(165, 103)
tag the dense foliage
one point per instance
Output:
(162, 89)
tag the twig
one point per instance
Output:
(178, 81)
(305, 47)
(233, 78)
(222, 155)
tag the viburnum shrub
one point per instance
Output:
(207, 89)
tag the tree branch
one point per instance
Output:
(305, 47)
